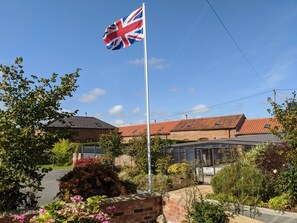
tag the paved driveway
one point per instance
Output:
(51, 186)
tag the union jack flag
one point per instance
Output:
(125, 31)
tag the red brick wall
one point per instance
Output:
(140, 208)
(89, 135)
(197, 135)
(173, 211)
(137, 208)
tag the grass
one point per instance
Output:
(55, 167)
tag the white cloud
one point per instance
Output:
(192, 90)
(201, 108)
(92, 95)
(173, 89)
(136, 110)
(119, 122)
(117, 109)
(153, 62)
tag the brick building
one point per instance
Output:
(207, 128)
(161, 129)
(86, 129)
(188, 129)
(257, 126)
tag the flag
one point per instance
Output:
(125, 31)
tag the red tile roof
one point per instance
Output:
(257, 126)
(212, 123)
(159, 128)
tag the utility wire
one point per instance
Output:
(227, 102)
(240, 50)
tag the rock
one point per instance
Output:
(161, 219)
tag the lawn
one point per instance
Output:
(55, 167)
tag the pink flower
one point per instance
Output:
(101, 217)
(19, 218)
(76, 199)
(42, 211)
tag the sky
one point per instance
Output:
(200, 64)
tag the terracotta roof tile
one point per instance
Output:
(212, 123)
(257, 126)
(162, 128)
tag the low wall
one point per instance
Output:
(137, 208)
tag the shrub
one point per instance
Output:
(85, 161)
(93, 179)
(204, 211)
(287, 184)
(63, 152)
(279, 202)
(239, 180)
(180, 169)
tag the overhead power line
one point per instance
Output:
(227, 102)
(240, 50)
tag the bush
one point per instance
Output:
(279, 202)
(207, 212)
(63, 152)
(93, 179)
(287, 184)
(85, 161)
(239, 180)
(180, 169)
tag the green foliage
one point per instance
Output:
(138, 150)
(207, 212)
(93, 179)
(279, 202)
(160, 182)
(77, 211)
(270, 160)
(287, 184)
(286, 115)
(111, 143)
(180, 168)
(63, 152)
(29, 102)
(239, 180)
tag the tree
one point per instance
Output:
(63, 152)
(29, 103)
(286, 115)
(138, 150)
(112, 143)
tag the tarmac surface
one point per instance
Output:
(51, 186)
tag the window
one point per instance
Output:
(218, 123)
(266, 126)
(98, 125)
(71, 123)
(160, 129)
(189, 125)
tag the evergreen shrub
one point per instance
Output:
(93, 179)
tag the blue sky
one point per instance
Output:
(195, 68)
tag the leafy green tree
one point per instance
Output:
(111, 143)
(138, 150)
(63, 152)
(286, 115)
(29, 102)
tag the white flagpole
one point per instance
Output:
(147, 105)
